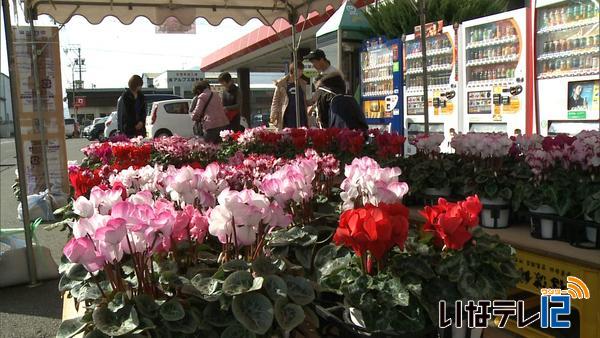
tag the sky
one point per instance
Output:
(113, 51)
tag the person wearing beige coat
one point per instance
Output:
(283, 110)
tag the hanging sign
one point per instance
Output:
(80, 101)
(43, 132)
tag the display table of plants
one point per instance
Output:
(301, 233)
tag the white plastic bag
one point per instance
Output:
(40, 206)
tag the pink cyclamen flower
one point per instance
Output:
(82, 251)
(104, 200)
(83, 207)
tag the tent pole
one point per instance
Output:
(293, 17)
(12, 70)
(424, 61)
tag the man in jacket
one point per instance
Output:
(131, 109)
(330, 83)
(283, 107)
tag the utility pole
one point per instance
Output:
(80, 64)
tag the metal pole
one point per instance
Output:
(424, 61)
(38, 103)
(292, 18)
(12, 69)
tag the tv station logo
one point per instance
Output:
(555, 305)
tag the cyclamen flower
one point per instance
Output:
(82, 250)
(293, 182)
(103, 200)
(451, 223)
(83, 207)
(374, 229)
(367, 183)
(428, 143)
(238, 215)
(482, 145)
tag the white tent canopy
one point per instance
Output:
(186, 11)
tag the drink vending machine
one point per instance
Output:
(567, 45)
(381, 89)
(495, 72)
(442, 81)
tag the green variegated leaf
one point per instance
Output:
(300, 290)
(70, 327)
(288, 315)
(112, 324)
(275, 287)
(235, 265)
(254, 311)
(238, 283)
(172, 310)
(237, 331)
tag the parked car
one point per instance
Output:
(86, 130)
(168, 118)
(112, 123)
(70, 127)
(111, 126)
(97, 130)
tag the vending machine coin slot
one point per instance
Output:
(436, 102)
(497, 99)
(505, 100)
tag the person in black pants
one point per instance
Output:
(131, 109)
(231, 101)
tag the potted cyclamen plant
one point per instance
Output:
(372, 227)
(469, 264)
(491, 176)
(143, 261)
(430, 170)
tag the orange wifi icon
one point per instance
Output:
(576, 288)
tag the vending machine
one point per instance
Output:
(495, 73)
(567, 42)
(381, 89)
(442, 82)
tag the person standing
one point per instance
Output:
(283, 106)
(231, 100)
(329, 84)
(131, 109)
(209, 112)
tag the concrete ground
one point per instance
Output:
(29, 311)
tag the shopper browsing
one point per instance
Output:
(209, 112)
(131, 109)
(283, 107)
(329, 85)
(231, 100)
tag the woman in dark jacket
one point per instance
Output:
(131, 109)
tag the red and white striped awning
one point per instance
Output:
(186, 11)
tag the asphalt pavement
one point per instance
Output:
(30, 311)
